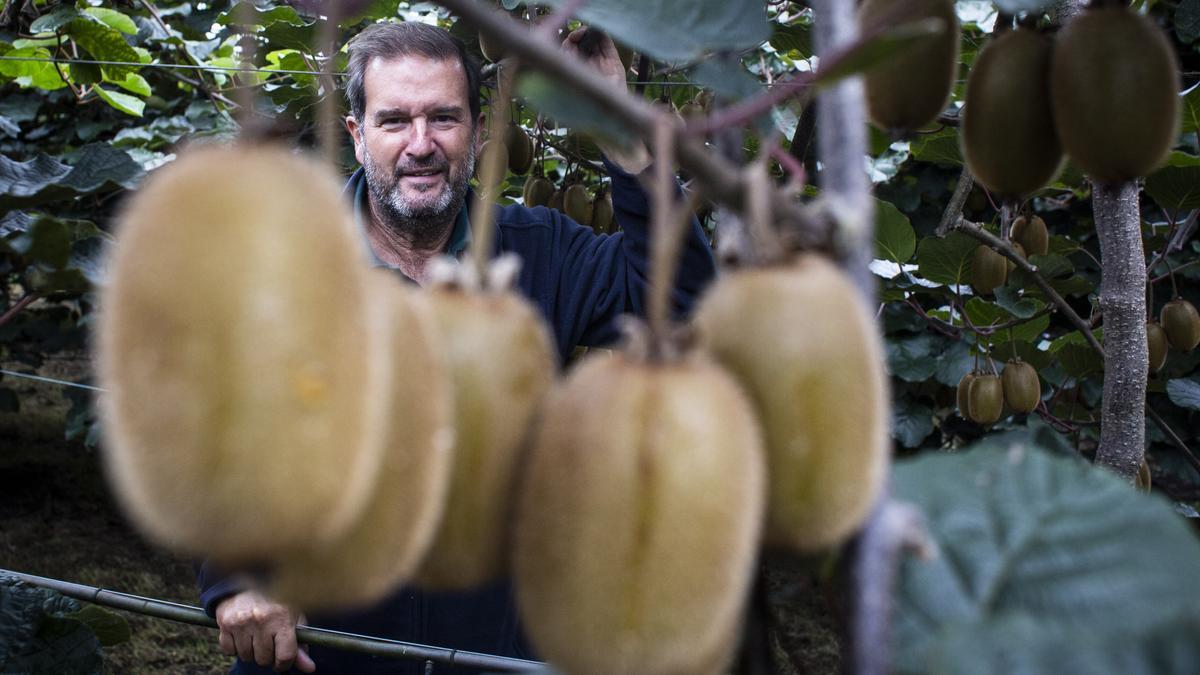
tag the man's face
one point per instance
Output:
(416, 141)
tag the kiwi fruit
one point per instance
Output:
(985, 399)
(819, 388)
(556, 200)
(962, 394)
(520, 149)
(910, 89)
(486, 150)
(501, 362)
(1143, 482)
(1008, 136)
(577, 204)
(384, 546)
(242, 357)
(1022, 389)
(989, 269)
(492, 48)
(582, 145)
(1181, 323)
(1031, 234)
(538, 191)
(639, 518)
(602, 212)
(1010, 265)
(1156, 342)
(1116, 93)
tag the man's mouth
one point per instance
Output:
(422, 173)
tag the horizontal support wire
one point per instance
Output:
(51, 380)
(309, 635)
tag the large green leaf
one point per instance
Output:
(43, 179)
(113, 19)
(1176, 186)
(794, 38)
(61, 16)
(939, 148)
(912, 422)
(1191, 106)
(727, 78)
(953, 363)
(38, 635)
(1045, 564)
(1187, 21)
(110, 628)
(37, 73)
(914, 359)
(864, 55)
(105, 44)
(895, 239)
(677, 31)
(946, 260)
(567, 109)
(130, 105)
(1184, 393)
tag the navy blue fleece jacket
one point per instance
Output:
(581, 282)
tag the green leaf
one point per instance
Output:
(110, 628)
(940, 148)
(105, 44)
(9, 127)
(1184, 393)
(953, 363)
(794, 38)
(1024, 350)
(1037, 552)
(130, 105)
(38, 74)
(135, 83)
(36, 635)
(864, 55)
(44, 180)
(914, 359)
(567, 109)
(911, 422)
(984, 314)
(1019, 307)
(1029, 331)
(727, 78)
(1175, 187)
(946, 260)
(247, 13)
(895, 239)
(48, 23)
(678, 31)
(1187, 21)
(113, 19)
(1191, 106)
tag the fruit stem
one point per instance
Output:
(492, 169)
(327, 110)
(669, 222)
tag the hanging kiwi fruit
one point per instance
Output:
(1181, 323)
(1008, 134)
(237, 338)
(1010, 264)
(1143, 482)
(989, 269)
(556, 200)
(1022, 388)
(1156, 343)
(577, 204)
(602, 212)
(1116, 93)
(909, 90)
(538, 191)
(520, 149)
(489, 146)
(1031, 234)
(639, 517)
(501, 362)
(826, 428)
(386, 543)
(985, 398)
(963, 394)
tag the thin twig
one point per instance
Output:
(17, 307)
(954, 209)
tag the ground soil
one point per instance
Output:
(57, 520)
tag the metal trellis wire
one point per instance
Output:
(324, 637)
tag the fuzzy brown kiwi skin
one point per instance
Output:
(826, 428)
(578, 205)
(985, 399)
(1143, 481)
(501, 363)
(520, 149)
(205, 380)
(1115, 93)
(538, 191)
(911, 89)
(384, 546)
(489, 146)
(1032, 234)
(1182, 324)
(962, 398)
(602, 212)
(1022, 389)
(989, 270)
(1008, 134)
(639, 518)
(1156, 342)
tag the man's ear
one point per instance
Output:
(355, 135)
(480, 125)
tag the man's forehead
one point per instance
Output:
(414, 79)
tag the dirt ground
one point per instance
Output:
(57, 520)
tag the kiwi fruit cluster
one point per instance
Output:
(983, 396)
(1178, 328)
(1103, 92)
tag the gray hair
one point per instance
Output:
(390, 40)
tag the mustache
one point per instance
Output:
(414, 167)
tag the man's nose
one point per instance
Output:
(420, 141)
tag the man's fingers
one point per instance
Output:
(226, 641)
(264, 649)
(243, 644)
(285, 648)
(304, 662)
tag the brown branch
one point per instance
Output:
(954, 209)
(16, 308)
(746, 111)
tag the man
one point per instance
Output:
(416, 124)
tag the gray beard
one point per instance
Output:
(421, 226)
